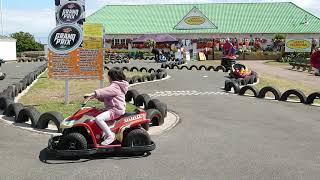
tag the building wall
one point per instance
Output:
(8, 50)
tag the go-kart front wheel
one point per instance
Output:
(72, 141)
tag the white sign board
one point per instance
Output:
(298, 45)
(195, 19)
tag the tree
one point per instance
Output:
(150, 43)
(279, 41)
(26, 42)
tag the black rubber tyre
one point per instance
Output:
(163, 65)
(17, 88)
(312, 97)
(251, 79)
(136, 79)
(143, 69)
(244, 89)
(156, 104)
(210, 68)
(5, 102)
(3, 76)
(133, 69)
(193, 67)
(106, 68)
(241, 81)
(153, 76)
(125, 68)
(247, 79)
(155, 116)
(137, 137)
(131, 95)
(29, 113)
(53, 116)
(72, 141)
(184, 67)
(142, 100)
(296, 92)
(145, 78)
(23, 85)
(202, 67)
(232, 84)
(129, 80)
(222, 68)
(13, 110)
(175, 67)
(159, 75)
(151, 70)
(276, 92)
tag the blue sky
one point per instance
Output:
(37, 16)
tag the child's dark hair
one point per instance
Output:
(116, 74)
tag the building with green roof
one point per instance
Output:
(243, 21)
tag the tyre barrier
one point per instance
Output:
(154, 74)
(39, 59)
(155, 109)
(175, 65)
(295, 92)
(278, 96)
(117, 62)
(21, 113)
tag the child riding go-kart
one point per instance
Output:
(240, 71)
(82, 136)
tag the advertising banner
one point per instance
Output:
(78, 64)
(195, 19)
(298, 45)
(93, 36)
(70, 11)
(65, 38)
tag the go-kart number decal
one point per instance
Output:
(133, 118)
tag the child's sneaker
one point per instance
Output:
(108, 140)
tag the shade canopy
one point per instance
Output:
(159, 38)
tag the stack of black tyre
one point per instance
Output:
(154, 74)
(156, 110)
(23, 113)
(309, 100)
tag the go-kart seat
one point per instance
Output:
(239, 66)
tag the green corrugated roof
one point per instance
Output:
(228, 17)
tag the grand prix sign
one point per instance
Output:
(65, 38)
(298, 45)
(70, 12)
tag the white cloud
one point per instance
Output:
(37, 22)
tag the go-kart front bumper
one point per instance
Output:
(52, 149)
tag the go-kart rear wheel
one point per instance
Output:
(72, 141)
(137, 137)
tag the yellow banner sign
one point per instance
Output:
(195, 20)
(298, 44)
(93, 30)
(92, 42)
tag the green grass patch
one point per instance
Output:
(284, 85)
(48, 94)
(276, 63)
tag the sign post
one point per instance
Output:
(76, 48)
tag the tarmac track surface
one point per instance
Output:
(219, 137)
